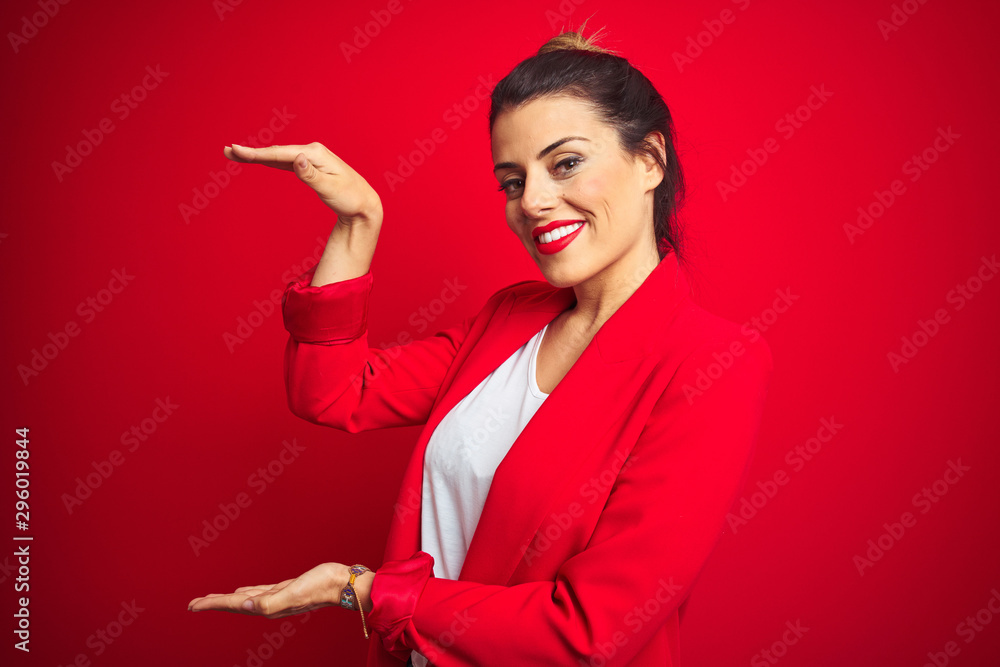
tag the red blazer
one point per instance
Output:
(607, 505)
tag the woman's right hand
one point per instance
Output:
(341, 188)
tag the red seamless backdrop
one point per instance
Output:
(840, 158)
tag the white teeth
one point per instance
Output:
(559, 232)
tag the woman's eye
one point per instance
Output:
(569, 164)
(513, 185)
(510, 186)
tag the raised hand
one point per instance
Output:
(341, 188)
(319, 587)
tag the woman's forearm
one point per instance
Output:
(349, 250)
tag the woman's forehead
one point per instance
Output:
(536, 124)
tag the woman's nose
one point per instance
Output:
(537, 198)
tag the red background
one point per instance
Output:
(163, 334)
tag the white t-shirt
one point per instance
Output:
(463, 454)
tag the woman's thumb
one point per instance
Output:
(303, 168)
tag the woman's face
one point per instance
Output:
(561, 168)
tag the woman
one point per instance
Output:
(523, 535)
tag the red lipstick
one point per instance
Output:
(557, 245)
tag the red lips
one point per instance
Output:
(538, 231)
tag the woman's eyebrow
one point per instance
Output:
(545, 151)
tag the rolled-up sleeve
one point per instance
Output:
(332, 376)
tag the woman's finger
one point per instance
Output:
(232, 602)
(264, 587)
(280, 156)
(246, 154)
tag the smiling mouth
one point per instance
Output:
(557, 233)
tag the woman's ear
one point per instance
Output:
(652, 169)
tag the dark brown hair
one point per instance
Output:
(569, 64)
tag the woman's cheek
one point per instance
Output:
(588, 189)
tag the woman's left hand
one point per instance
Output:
(319, 587)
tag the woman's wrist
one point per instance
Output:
(363, 590)
(362, 587)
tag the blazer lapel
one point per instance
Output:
(586, 402)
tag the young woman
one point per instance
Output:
(584, 436)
